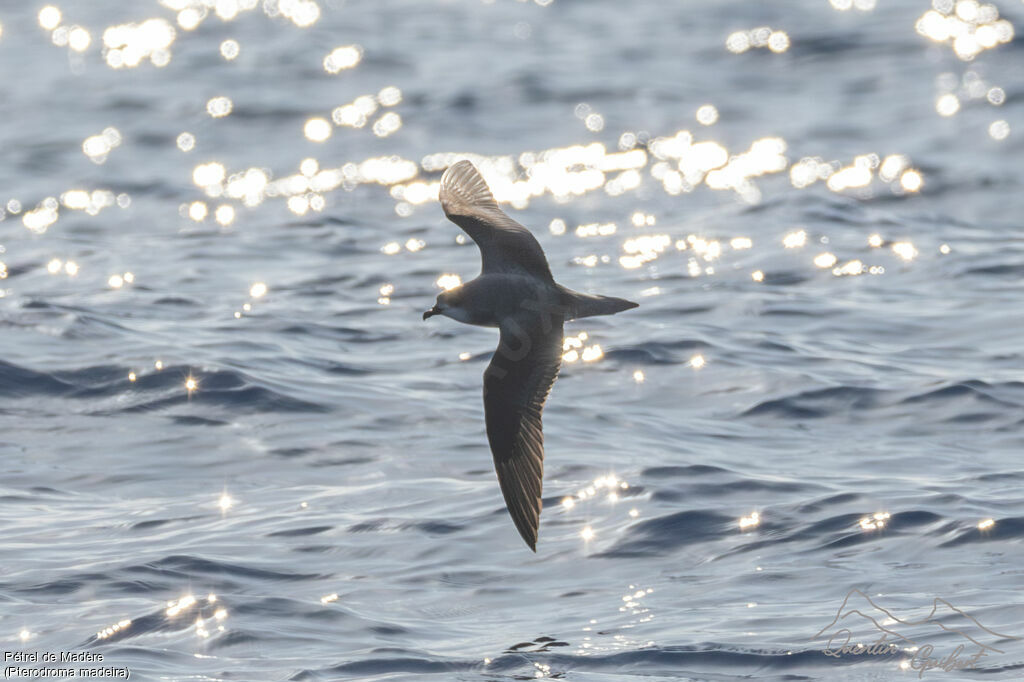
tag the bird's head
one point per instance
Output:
(447, 301)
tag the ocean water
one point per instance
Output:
(232, 450)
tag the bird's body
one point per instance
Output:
(515, 292)
(488, 299)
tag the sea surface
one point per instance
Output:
(233, 450)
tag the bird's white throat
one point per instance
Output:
(458, 314)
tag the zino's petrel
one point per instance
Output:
(516, 293)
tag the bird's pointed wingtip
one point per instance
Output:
(462, 184)
(529, 533)
(529, 536)
(455, 169)
(460, 165)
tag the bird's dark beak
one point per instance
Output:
(430, 313)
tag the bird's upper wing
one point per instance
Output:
(505, 245)
(516, 384)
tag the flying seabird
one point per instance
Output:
(516, 293)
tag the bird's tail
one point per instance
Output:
(589, 305)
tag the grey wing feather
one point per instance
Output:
(505, 245)
(516, 385)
